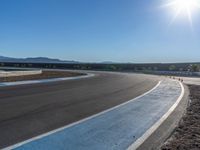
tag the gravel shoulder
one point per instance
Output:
(44, 75)
(187, 134)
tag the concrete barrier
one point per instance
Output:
(19, 73)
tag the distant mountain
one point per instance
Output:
(34, 60)
(4, 58)
(108, 62)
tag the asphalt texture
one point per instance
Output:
(190, 80)
(166, 129)
(115, 129)
(27, 111)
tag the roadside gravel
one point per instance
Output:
(187, 135)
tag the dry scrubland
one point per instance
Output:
(187, 135)
(44, 75)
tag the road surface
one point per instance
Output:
(27, 111)
(191, 80)
(126, 126)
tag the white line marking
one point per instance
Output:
(149, 132)
(4, 84)
(78, 122)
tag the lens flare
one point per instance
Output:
(183, 8)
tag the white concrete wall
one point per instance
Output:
(19, 73)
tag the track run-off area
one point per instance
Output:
(105, 111)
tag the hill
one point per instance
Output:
(34, 60)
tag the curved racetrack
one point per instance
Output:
(30, 110)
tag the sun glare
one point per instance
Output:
(183, 8)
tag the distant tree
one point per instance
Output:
(23, 65)
(2, 64)
(180, 69)
(135, 69)
(83, 67)
(113, 67)
(195, 68)
(155, 68)
(30, 65)
(144, 69)
(77, 67)
(88, 67)
(149, 68)
(172, 67)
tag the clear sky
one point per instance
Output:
(97, 30)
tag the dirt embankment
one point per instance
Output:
(44, 75)
(187, 135)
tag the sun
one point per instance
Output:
(183, 8)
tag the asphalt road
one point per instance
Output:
(190, 80)
(123, 127)
(30, 110)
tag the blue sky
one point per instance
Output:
(97, 30)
